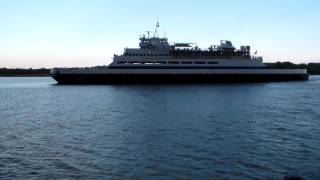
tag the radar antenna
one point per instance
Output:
(156, 29)
(148, 32)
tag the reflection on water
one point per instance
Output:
(158, 131)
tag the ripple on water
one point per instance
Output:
(245, 131)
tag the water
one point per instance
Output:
(263, 130)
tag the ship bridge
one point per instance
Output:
(225, 45)
(154, 43)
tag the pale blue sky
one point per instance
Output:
(66, 33)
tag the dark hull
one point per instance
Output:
(173, 78)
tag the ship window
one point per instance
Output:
(186, 62)
(199, 62)
(212, 62)
(173, 62)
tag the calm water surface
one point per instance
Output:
(240, 131)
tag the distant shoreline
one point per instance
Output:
(5, 72)
(313, 69)
(24, 75)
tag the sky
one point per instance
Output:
(77, 33)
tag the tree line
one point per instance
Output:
(313, 68)
(24, 72)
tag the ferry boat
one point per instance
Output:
(158, 61)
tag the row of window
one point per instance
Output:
(127, 54)
(169, 62)
(186, 54)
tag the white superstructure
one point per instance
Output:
(154, 52)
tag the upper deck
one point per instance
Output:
(153, 49)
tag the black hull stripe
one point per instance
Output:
(174, 78)
(182, 67)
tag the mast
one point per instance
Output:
(156, 29)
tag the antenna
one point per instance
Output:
(148, 32)
(156, 29)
